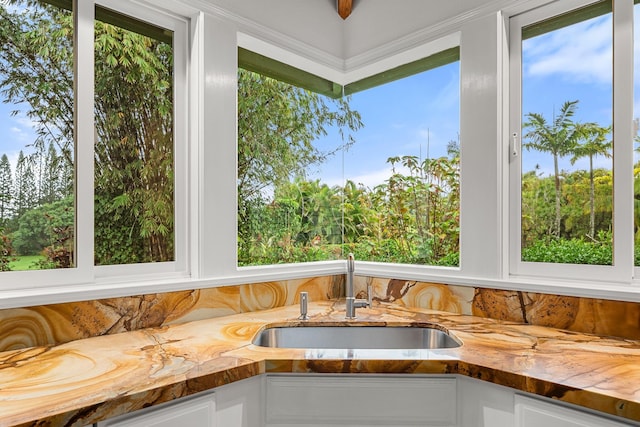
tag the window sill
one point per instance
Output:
(445, 275)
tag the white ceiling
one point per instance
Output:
(373, 23)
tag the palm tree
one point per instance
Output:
(595, 144)
(558, 138)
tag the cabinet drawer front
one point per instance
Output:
(350, 400)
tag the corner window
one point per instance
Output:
(371, 168)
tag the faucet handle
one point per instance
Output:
(304, 301)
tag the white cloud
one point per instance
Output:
(25, 122)
(22, 130)
(581, 52)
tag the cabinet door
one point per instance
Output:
(484, 404)
(240, 404)
(360, 400)
(536, 413)
(186, 412)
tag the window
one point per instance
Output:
(371, 168)
(570, 123)
(285, 213)
(95, 126)
(402, 174)
(134, 150)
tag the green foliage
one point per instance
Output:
(134, 207)
(6, 251)
(6, 190)
(411, 218)
(277, 125)
(37, 58)
(558, 138)
(571, 251)
(49, 225)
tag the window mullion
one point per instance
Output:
(84, 134)
(623, 138)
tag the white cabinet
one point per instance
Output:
(240, 404)
(484, 404)
(360, 400)
(192, 412)
(313, 400)
(532, 412)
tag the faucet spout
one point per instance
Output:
(351, 302)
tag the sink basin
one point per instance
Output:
(356, 337)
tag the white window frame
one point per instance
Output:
(84, 271)
(622, 269)
(178, 267)
(377, 269)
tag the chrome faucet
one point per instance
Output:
(304, 301)
(352, 302)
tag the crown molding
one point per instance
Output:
(289, 49)
(416, 45)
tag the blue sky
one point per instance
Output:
(17, 132)
(413, 116)
(573, 63)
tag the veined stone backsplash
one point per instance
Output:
(59, 323)
(589, 315)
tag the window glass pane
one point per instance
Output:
(375, 173)
(134, 150)
(37, 220)
(402, 198)
(567, 182)
(287, 212)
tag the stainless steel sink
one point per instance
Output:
(355, 337)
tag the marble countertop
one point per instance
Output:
(87, 380)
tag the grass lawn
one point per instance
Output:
(25, 262)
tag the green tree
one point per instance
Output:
(48, 225)
(134, 150)
(6, 251)
(558, 138)
(51, 176)
(538, 214)
(25, 187)
(593, 143)
(37, 68)
(277, 125)
(6, 189)
(134, 121)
